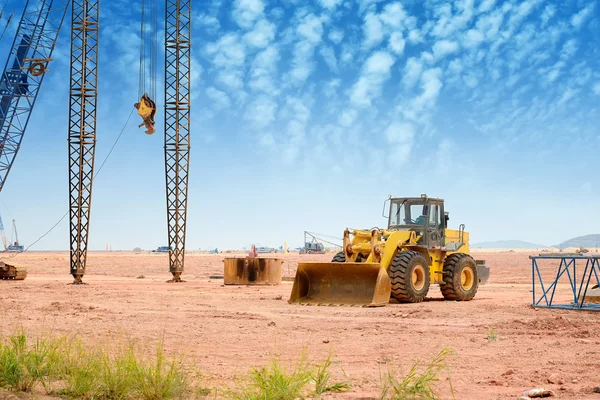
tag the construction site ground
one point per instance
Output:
(502, 346)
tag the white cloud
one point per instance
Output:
(394, 16)
(473, 38)
(415, 36)
(578, 19)
(263, 71)
(400, 136)
(261, 35)
(332, 87)
(489, 24)
(310, 32)
(521, 12)
(376, 71)
(245, 12)
(267, 140)
(596, 89)
(220, 99)
(397, 43)
(448, 23)
(569, 94)
(366, 4)
(348, 117)
(297, 110)
(311, 29)
(431, 85)
(328, 55)
(412, 72)
(336, 35)
(261, 112)
(373, 30)
(232, 78)
(330, 4)
(548, 13)
(486, 5)
(228, 56)
(443, 48)
(227, 51)
(196, 71)
(209, 22)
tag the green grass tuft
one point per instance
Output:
(492, 335)
(322, 376)
(418, 383)
(22, 366)
(161, 378)
(275, 382)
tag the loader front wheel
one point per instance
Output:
(339, 257)
(460, 277)
(409, 273)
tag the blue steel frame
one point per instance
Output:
(33, 44)
(568, 266)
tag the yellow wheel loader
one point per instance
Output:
(415, 251)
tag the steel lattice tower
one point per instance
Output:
(177, 126)
(24, 73)
(82, 126)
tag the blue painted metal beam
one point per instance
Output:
(577, 287)
(24, 73)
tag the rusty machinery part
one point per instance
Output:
(83, 96)
(12, 272)
(78, 280)
(37, 68)
(252, 271)
(176, 278)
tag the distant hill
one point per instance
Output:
(581, 241)
(507, 244)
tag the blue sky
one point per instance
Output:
(307, 115)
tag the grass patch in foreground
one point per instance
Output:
(24, 365)
(69, 368)
(418, 383)
(275, 382)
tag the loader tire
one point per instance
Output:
(409, 274)
(460, 277)
(339, 257)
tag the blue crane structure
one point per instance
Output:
(22, 78)
(24, 73)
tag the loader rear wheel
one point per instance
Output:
(460, 277)
(409, 273)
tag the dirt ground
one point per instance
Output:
(224, 330)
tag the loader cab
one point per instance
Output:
(423, 215)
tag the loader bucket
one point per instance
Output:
(341, 283)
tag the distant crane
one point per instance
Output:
(13, 245)
(312, 247)
(4, 240)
